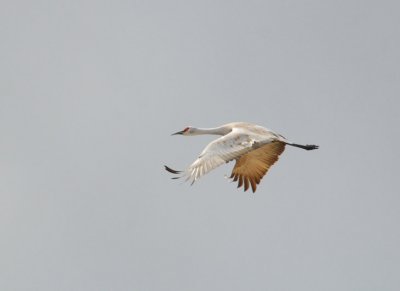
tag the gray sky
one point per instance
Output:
(90, 92)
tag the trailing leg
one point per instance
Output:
(307, 147)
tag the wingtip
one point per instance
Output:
(172, 170)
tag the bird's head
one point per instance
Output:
(186, 131)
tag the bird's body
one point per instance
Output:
(255, 149)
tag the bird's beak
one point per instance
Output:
(179, 132)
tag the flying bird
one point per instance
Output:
(254, 148)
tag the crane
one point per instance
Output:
(255, 149)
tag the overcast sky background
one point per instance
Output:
(90, 92)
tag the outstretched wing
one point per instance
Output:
(252, 166)
(220, 151)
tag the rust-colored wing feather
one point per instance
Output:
(251, 167)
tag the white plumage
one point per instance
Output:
(254, 148)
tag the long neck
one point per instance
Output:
(216, 130)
